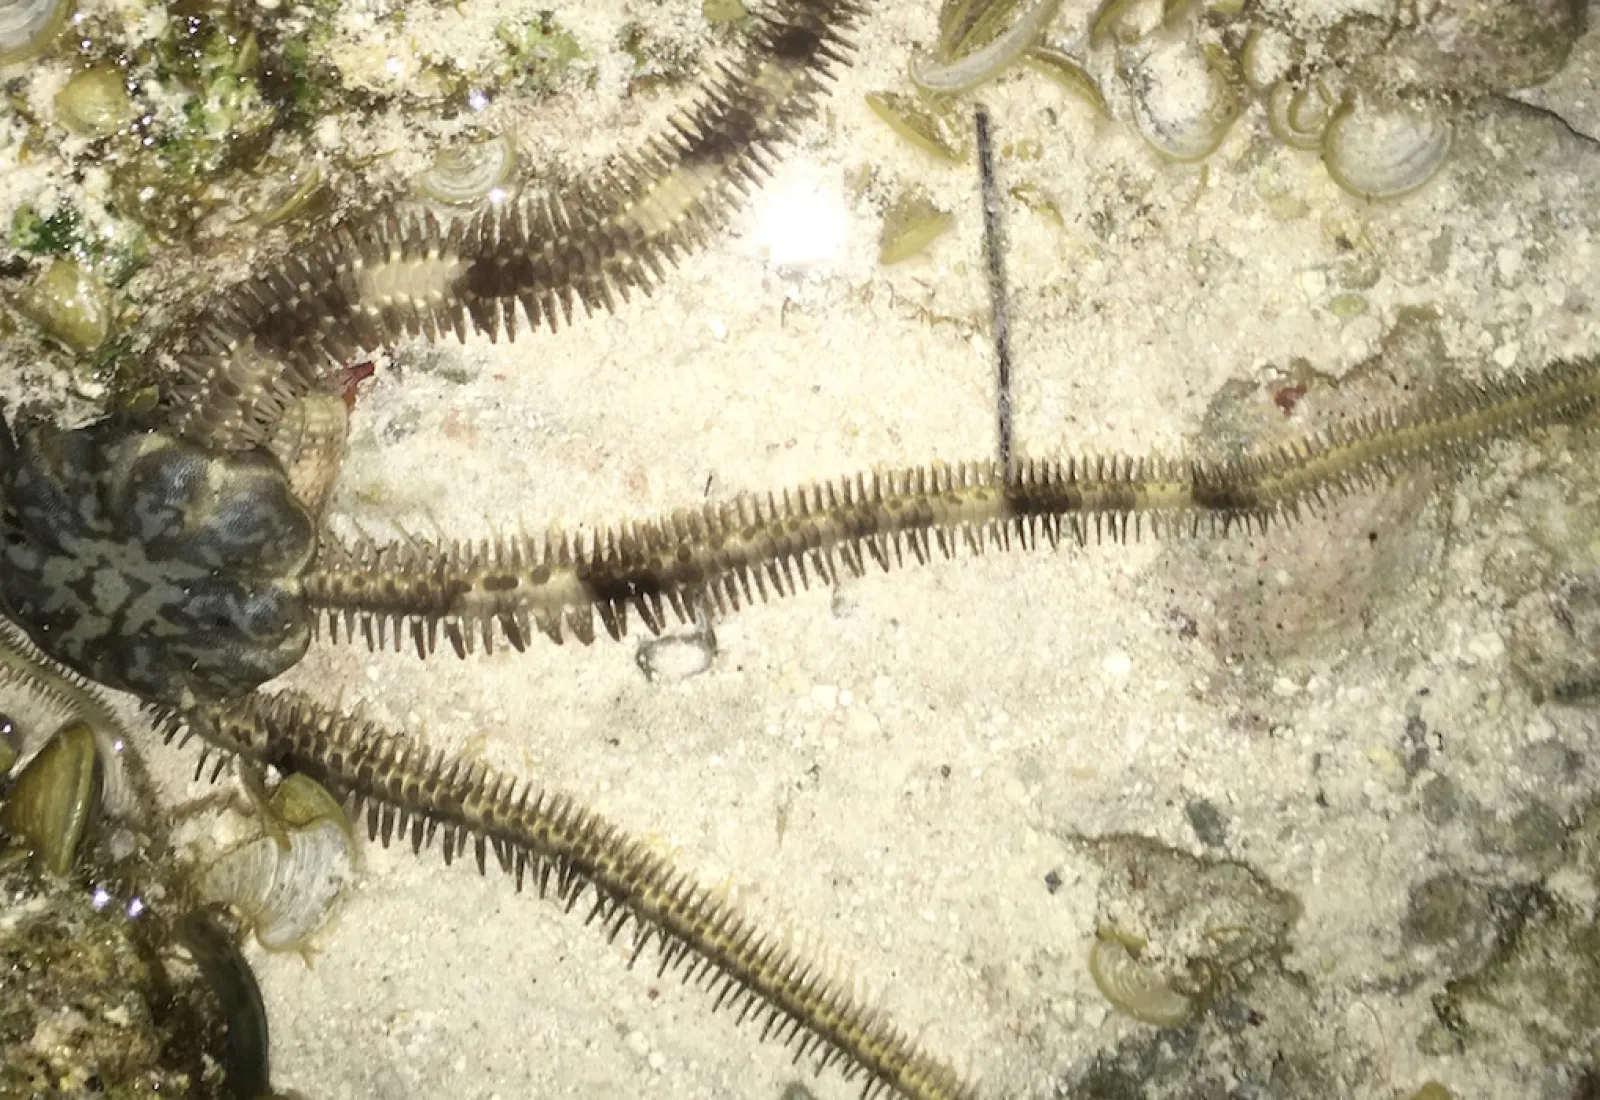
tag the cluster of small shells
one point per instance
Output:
(1375, 146)
(48, 807)
(184, 134)
(1182, 71)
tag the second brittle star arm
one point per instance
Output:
(727, 554)
(270, 338)
(575, 856)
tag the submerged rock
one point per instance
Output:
(1540, 994)
(90, 1005)
(1555, 640)
(1482, 46)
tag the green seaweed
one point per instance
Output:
(539, 53)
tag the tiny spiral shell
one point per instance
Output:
(1135, 987)
(465, 175)
(1298, 115)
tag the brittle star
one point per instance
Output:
(843, 530)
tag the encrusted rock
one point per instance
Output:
(1480, 46)
(1555, 640)
(89, 1006)
(1540, 995)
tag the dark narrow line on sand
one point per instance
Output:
(994, 254)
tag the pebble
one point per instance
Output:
(1486, 647)
(676, 658)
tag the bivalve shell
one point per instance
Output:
(95, 103)
(288, 196)
(1071, 75)
(70, 303)
(1267, 56)
(29, 27)
(960, 68)
(1182, 97)
(287, 882)
(56, 796)
(8, 745)
(911, 224)
(1381, 152)
(1126, 20)
(919, 125)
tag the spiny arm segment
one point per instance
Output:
(728, 554)
(575, 856)
(271, 338)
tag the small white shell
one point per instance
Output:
(1383, 152)
(1133, 987)
(28, 27)
(464, 175)
(677, 657)
(1182, 98)
(287, 883)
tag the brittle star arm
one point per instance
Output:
(727, 554)
(270, 338)
(573, 855)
